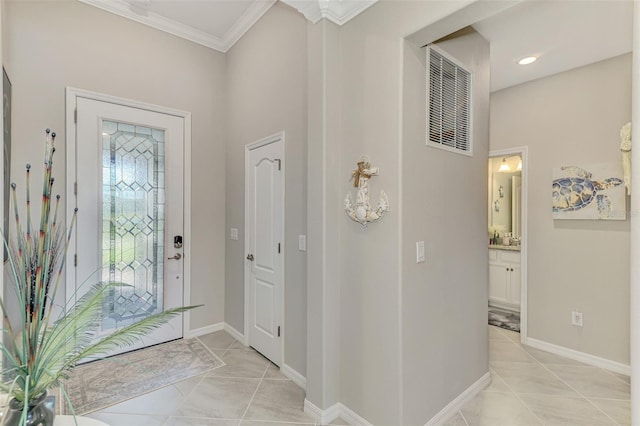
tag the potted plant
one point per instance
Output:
(39, 351)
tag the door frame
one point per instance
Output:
(522, 151)
(278, 137)
(70, 143)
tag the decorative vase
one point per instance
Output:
(41, 412)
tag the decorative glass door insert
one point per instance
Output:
(126, 165)
(132, 221)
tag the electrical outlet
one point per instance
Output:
(576, 318)
(302, 242)
(234, 234)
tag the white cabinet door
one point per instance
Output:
(504, 279)
(514, 285)
(498, 283)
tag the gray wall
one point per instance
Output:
(444, 300)
(573, 117)
(324, 323)
(51, 45)
(372, 311)
(267, 82)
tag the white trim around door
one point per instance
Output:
(276, 138)
(72, 94)
(523, 152)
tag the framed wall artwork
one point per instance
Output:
(592, 191)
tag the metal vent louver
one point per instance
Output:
(448, 103)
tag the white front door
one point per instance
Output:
(264, 236)
(128, 171)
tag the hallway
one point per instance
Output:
(533, 387)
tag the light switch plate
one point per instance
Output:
(234, 234)
(302, 242)
(420, 252)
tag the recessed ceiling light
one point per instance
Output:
(528, 60)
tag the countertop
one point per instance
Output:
(501, 247)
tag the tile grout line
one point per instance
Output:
(573, 389)
(219, 358)
(617, 377)
(211, 349)
(254, 394)
(560, 379)
(580, 395)
(463, 417)
(511, 390)
(519, 399)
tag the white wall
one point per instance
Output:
(266, 77)
(572, 118)
(51, 45)
(444, 300)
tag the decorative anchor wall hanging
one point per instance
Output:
(362, 212)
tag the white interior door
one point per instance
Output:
(264, 232)
(129, 186)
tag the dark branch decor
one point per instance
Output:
(38, 351)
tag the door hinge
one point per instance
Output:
(75, 188)
(278, 247)
(279, 163)
(75, 260)
(278, 331)
(75, 115)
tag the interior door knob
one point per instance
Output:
(250, 257)
(177, 256)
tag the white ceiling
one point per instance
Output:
(218, 24)
(565, 34)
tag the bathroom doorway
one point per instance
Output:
(507, 239)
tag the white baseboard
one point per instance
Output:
(336, 410)
(234, 333)
(204, 330)
(213, 328)
(351, 417)
(311, 409)
(616, 367)
(294, 376)
(455, 405)
(330, 414)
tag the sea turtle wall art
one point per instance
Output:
(588, 192)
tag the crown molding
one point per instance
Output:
(246, 21)
(337, 11)
(135, 11)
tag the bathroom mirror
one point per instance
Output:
(505, 194)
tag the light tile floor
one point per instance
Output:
(533, 387)
(249, 391)
(529, 387)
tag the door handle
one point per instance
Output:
(250, 257)
(177, 256)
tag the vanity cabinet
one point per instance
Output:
(504, 279)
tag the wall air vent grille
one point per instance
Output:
(448, 103)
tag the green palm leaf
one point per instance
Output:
(39, 354)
